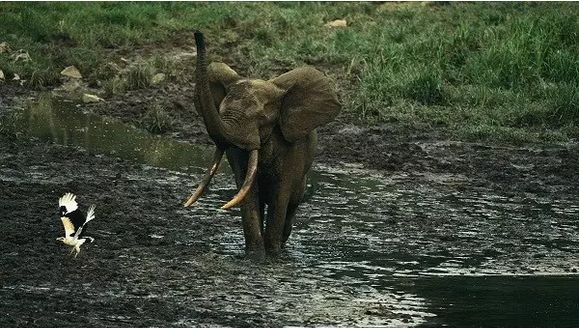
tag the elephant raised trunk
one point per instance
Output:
(207, 108)
(217, 130)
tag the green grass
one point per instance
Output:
(481, 71)
(139, 76)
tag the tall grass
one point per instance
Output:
(480, 70)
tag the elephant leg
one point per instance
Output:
(276, 218)
(291, 211)
(289, 222)
(250, 208)
(252, 223)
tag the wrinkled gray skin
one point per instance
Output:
(276, 118)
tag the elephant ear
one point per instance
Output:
(220, 76)
(309, 102)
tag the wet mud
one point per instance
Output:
(422, 233)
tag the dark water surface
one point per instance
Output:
(65, 124)
(368, 249)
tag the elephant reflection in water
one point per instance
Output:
(267, 129)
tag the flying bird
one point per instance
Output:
(74, 222)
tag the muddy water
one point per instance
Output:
(66, 124)
(368, 249)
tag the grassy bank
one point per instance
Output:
(488, 71)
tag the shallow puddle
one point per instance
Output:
(368, 250)
(65, 124)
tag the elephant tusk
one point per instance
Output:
(205, 182)
(249, 178)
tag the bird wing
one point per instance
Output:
(89, 216)
(68, 226)
(68, 201)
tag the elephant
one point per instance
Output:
(267, 129)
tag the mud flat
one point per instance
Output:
(424, 232)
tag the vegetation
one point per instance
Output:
(11, 123)
(482, 71)
(156, 119)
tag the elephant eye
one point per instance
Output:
(245, 104)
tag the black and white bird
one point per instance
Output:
(74, 222)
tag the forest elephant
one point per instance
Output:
(267, 129)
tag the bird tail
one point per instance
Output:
(90, 214)
(68, 200)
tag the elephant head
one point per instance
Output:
(243, 113)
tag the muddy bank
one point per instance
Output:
(536, 168)
(389, 147)
(368, 249)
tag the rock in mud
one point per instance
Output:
(2, 77)
(21, 55)
(72, 72)
(4, 47)
(71, 86)
(337, 23)
(158, 78)
(351, 130)
(17, 78)
(88, 98)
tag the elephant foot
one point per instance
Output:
(255, 255)
(255, 249)
(273, 247)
